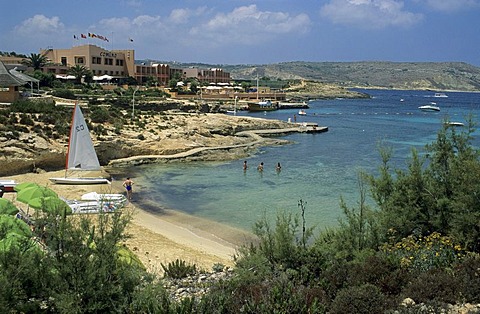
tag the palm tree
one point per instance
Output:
(36, 61)
(78, 71)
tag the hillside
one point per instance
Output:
(395, 75)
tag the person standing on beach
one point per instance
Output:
(128, 186)
(245, 166)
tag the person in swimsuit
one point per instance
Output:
(128, 186)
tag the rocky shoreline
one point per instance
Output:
(164, 128)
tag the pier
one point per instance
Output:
(256, 135)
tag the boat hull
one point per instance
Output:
(262, 106)
(79, 181)
(429, 108)
(8, 185)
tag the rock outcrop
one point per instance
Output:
(154, 134)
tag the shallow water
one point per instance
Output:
(317, 168)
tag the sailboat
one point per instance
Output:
(81, 154)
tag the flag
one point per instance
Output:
(83, 36)
(75, 37)
(131, 40)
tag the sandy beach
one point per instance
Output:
(156, 238)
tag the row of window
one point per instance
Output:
(95, 60)
(102, 72)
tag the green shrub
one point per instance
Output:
(358, 300)
(424, 253)
(434, 285)
(99, 115)
(468, 275)
(381, 272)
(64, 93)
(218, 267)
(26, 119)
(179, 269)
(33, 106)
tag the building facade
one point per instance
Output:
(121, 64)
(116, 63)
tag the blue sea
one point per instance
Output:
(316, 168)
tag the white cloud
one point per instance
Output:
(369, 14)
(40, 25)
(248, 25)
(146, 21)
(451, 5)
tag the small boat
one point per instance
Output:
(302, 112)
(94, 203)
(93, 207)
(8, 185)
(456, 124)
(429, 108)
(440, 95)
(94, 196)
(265, 105)
(81, 154)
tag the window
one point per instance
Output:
(64, 61)
(80, 60)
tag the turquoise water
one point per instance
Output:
(317, 168)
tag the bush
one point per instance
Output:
(33, 106)
(424, 253)
(64, 93)
(468, 276)
(360, 299)
(434, 285)
(179, 269)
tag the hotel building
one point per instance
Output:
(121, 64)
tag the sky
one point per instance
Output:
(251, 32)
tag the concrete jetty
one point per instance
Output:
(256, 135)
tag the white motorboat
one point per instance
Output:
(429, 108)
(94, 196)
(440, 95)
(302, 112)
(79, 181)
(456, 124)
(81, 154)
(94, 203)
(8, 185)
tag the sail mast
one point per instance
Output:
(70, 137)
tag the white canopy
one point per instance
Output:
(103, 77)
(65, 77)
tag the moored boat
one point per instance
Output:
(81, 154)
(8, 185)
(429, 108)
(264, 105)
(456, 124)
(440, 95)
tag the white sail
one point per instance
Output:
(81, 153)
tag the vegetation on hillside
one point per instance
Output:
(419, 241)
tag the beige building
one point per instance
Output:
(116, 63)
(214, 75)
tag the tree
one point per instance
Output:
(78, 71)
(36, 61)
(436, 194)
